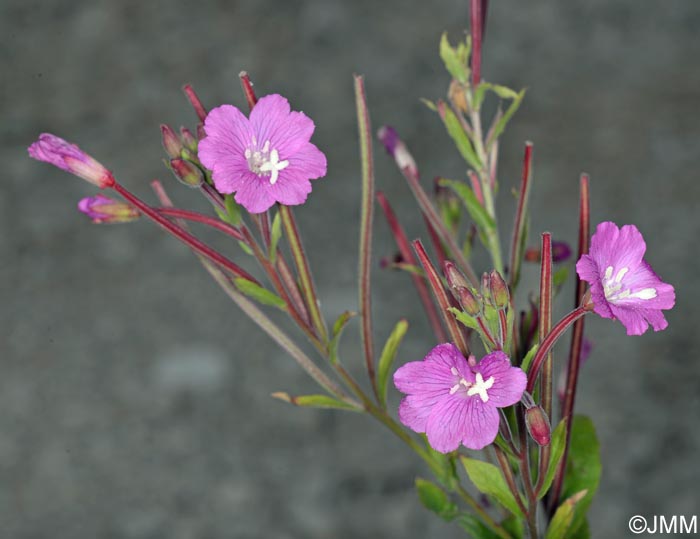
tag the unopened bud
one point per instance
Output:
(499, 290)
(66, 156)
(188, 173)
(104, 210)
(486, 287)
(457, 96)
(468, 300)
(188, 139)
(454, 277)
(171, 143)
(538, 425)
(397, 149)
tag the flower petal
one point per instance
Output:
(619, 248)
(588, 271)
(253, 195)
(508, 382)
(447, 422)
(426, 376)
(307, 163)
(287, 131)
(228, 131)
(414, 410)
(481, 427)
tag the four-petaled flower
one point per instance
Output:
(455, 401)
(67, 156)
(264, 159)
(623, 285)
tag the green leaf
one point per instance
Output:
(556, 451)
(454, 60)
(464, 318)
(488, 479)
(232, 212)
(583, 467)
(338, 328)
(246, 248)
(563, 517)
(475, 528)
(275, 235)
(503, 120)
(503, 91)
(514, 526)
(435, 499)
(315, 401)
(428, 103)
(258, 293)
(582, 532)
(477, 212)
(559, 277)
(458, 135)
(525, 365)
(387, 358)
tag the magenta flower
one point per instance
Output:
(64, 155)
(102, 209)
(623, 285)
(265, 159)
(454, 401)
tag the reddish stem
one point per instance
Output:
(203, 219)
(185, 237)
(195, 102)
(248, 89)
(576, 341)
(518, 230)
(442, 298)
(406, 253)
(545, 326)
(477, 20)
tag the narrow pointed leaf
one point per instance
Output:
(556, 452)
(458, 135)
(435, 499)
(232, 212)
(563, 518)
(386, 360)
(338, 328)
(464, 318)
(501, 123)
(488, 479)
(453, 62)
(258, 293)
(477, 212)
(315, 401)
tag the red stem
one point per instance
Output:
(545, 326)
(185, 237)
(477, 20)
(576, 341)
(201, 218)
(442, 298)
(195, 102)
(550, 340)
(406, 253)
(248, 89)
(516, 243)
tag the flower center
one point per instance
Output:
(479, 386)
(265, 161)
(613, 287)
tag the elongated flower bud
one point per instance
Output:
(188, 139)
(538, 425)
(187, 173)
(66, 156)
(171, 142)
(468, 300)
(454, 277)
(498, 290)
(104, 210)
(397, 149)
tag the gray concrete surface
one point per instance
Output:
(134, 399)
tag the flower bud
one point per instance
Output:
(188, 139)
(66, 156)
(188, 173)
(498, 290)
(104, 210)
(538, 425)
(171, 142)
(454, 277)
(397, 149)
(468, 300)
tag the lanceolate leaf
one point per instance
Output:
(583, 467)
(454, 62)
(563, 517)
(557, 450)
(315, 401)
(459, 136)
(338, 328)
(387, 358)
(503, 120)
(488, 479)
(258, 293)
(435, 499)
(477, 212)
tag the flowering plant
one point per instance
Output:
(482, 424)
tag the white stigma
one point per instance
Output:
(479, 387)
(614, 291)
(458, 385)
(265, 161)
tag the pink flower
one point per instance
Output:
(102, 209)
(623, 285)
(64, 155)
(455, 401)
(265, 159)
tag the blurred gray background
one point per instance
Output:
(134, 398)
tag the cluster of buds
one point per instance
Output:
(182, 151)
